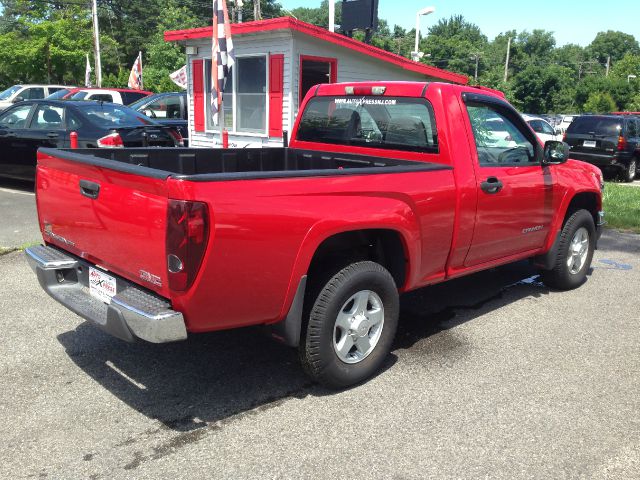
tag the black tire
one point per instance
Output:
(317, 352)
(629, 173)
(561, 277)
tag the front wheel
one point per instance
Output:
(575, 251)
(351, 325)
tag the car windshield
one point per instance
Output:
(79, 95)
(596, 125)
(110, 115)
(9, 91)
(138, 103)
(57, 95)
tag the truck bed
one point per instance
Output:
(215, 164)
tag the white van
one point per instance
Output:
(18, 93)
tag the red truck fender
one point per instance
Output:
(404, 226)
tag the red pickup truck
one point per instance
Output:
(385, 188)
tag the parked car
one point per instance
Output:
(18, 93)
(122, 96)
(47, 123)
(544, 131)
(611, 142)
(168, 108)
(382, 190)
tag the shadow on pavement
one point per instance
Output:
(21, 185)
(209, 378)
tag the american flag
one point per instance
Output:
(222, 55)
(135, 77)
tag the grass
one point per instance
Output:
(621, 204)
(6, 250)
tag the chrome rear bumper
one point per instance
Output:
(133, 313)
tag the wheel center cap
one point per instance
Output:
(360, 326)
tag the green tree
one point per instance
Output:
(599, 103)
(453, 44)
(613, 44)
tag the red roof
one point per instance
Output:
(288, 23)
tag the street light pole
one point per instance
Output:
(416, 54)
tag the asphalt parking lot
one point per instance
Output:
(491, 376)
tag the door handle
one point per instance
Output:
(491, 185)
(53, 135)
(89, 189)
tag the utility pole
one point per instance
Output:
(506, 64)
(476, 56)
(239, 4)
(608, 65)
(332, 16)
(257, 14)
(96, 42)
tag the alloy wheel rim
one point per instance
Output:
(578, 251)
(358, 326)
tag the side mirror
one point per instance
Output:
(555, 153)
(18, 99)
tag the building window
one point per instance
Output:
(245, 96)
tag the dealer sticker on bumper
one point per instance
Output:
(101, 285)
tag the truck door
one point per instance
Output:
(515, 193)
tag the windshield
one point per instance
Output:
(58, 94)
(370, 121)
(596, 125)
(78, 96)
(110, 115)
(138, 103)
(9, 91)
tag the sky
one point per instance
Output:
(571, 21)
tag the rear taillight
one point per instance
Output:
(113, 140)
(622, 143)
(177, 137)
(564, 137)
(187, 236)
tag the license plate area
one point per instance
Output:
(589, 143)
(101, 285)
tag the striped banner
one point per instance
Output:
(222, 55)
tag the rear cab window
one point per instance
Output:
(398, 123)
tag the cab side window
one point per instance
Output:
(33, 93)
(499, 141)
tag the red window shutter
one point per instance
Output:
(198, 95)
(276, 74)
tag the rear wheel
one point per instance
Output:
(575, 251)
(351, 325)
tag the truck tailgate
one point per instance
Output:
(113, 218)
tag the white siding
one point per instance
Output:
(352, 66)
(275, 42)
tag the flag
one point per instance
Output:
(222, 55)
(135, 77)
(179, 77)
(87, 73)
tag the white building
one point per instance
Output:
(277, 61)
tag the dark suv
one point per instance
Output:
(611, 142)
